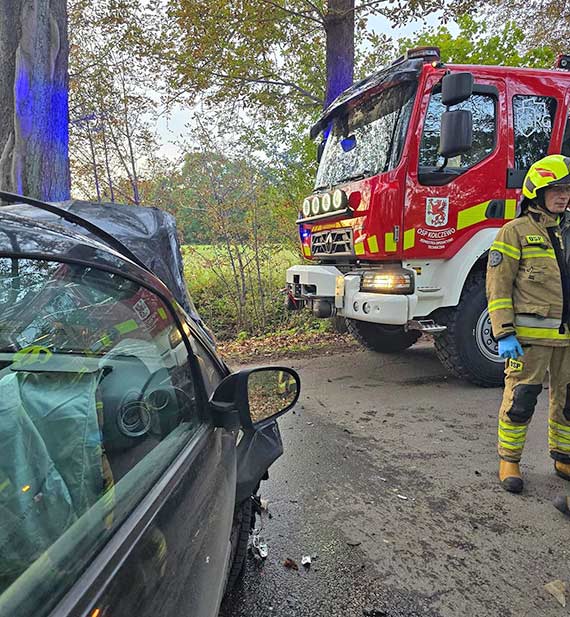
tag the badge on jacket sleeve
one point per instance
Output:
(495, 258)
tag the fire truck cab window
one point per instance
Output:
(484, 111)
(533, 122)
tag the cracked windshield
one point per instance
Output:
(368, 140)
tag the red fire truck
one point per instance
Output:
(419, 165)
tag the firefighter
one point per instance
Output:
(528, 292)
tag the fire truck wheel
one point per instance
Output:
(380, 337)
(466, 348)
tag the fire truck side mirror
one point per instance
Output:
(456, 133)
(456, 88)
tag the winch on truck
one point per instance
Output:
(419, 165)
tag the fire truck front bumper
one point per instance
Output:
(382, 295)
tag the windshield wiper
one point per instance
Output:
(364, 174)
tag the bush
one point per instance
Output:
(215, 292)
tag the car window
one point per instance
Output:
(96, 400)
(483, 108)
(533, 121)
(210, 370)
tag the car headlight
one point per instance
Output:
(397, 281)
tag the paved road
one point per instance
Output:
(370, 431)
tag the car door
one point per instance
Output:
(104, 376)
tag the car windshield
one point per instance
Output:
(369, 139)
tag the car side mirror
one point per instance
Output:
(456, 135)
(259, 395)
(456, 88)
(271, 392)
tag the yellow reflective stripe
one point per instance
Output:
(389, 243)
(500, 307)
(530, 252)
(161, 312)
(500, 303)
(560, 427)
(558, 437)
(472, 216)
(373, 244)
(560, 446)
(359, 248)
(510, 208)
(513, 428)
(509, 446)
(504, 436)
(512, 436)
(409, 239)
(506, 249)
(306, 250)
(542, 333)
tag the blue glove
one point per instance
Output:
(509, 347)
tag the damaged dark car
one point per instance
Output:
(131, 456)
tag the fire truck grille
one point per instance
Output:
(332, 242)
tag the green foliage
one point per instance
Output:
(478, 43)
(209, 277)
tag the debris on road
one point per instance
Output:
(290, 564)
(402, 497)
(306, 561)
(374, 612)
(354, 543)
(264, 503)
(557, 589)
(259, 548)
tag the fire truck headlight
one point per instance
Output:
(307, 207)
(339, 199)
(326, 202)
(315, 205)
(396, 281)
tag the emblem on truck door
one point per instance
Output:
(437, 211)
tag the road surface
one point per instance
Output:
(389, 481)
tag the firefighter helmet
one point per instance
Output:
(550, 170)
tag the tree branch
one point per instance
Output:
(271, 82)
(294, 13)
(315, 8)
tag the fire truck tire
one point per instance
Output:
(466, 347)
(382, 338)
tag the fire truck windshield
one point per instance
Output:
(369, 138)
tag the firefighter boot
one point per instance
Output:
(562, 469)
(510, 476)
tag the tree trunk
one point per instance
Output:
(34, 114)
(339, 27)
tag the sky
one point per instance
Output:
(173, 128)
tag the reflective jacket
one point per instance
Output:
(528, 286)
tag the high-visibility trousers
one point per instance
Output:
(523, 383)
